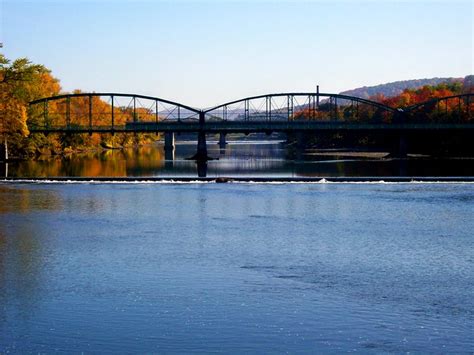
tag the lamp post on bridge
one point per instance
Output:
(317, 96)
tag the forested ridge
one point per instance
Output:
(397, 87)
(412, 96)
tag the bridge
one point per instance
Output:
(282, 112)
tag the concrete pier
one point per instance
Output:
(400, 146)
(300, 145)
(169, 146)
(201, 147)
(201, 166)
(222, 141)
(169, 141)
(169, 154)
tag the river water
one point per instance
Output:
(251, 158)
(238, 267)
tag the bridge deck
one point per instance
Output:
(255, 126)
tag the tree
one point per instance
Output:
(20, 82)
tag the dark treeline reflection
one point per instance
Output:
(238, 159)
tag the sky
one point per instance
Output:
(202, 53)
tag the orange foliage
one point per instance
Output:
(13, 115)
(411, 97)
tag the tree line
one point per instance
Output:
(21, 82)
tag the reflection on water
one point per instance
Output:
(236, 268)
(23, 200)
(22, 262)
(237, 159)
(113, 163)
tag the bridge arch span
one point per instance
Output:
(104, 111)
(311, 94)
(103, 94)
(468, 98)
(447, 108)
(281, 106)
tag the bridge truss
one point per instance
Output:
(457, 108)
(104, 112)
(298, 106)
(115, 112)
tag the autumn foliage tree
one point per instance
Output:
(411, 97)
(449, 110)
(20, 82)
(12, 108)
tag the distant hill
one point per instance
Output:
(396, 88)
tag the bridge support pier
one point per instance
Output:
(169, 146)
(169, 154)
(201, 154)
(202, 168)
(222, 141)
(400, 146)
(4, 151)
(201, 147)
(169, 141)
(403, 146)
(300, 145)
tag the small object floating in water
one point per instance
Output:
(222, 180)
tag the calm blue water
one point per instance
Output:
(251, 268)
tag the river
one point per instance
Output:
(245, 159)
(239, 267)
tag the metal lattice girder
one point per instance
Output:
(112, 109)
(278, 106)
(454, 108)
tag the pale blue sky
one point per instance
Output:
(205, 52)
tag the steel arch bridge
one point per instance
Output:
(286, 106)
(281, 112)
(118, 112)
